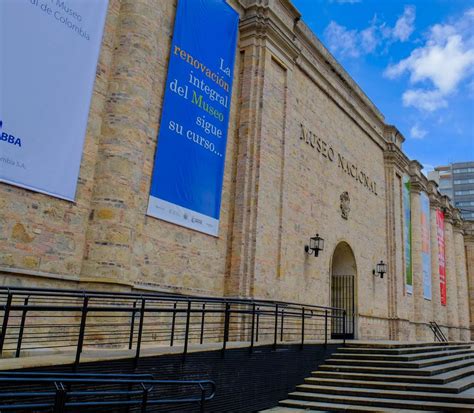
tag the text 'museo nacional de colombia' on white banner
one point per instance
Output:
(49, 51)
(189, 163)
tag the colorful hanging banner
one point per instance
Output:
(189, 164)
(441, 255)
(407, 233)
(425, 245)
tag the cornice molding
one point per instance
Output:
(414, 168)
(261, 20)
(433, 194)
(339, 74)
(393, 135)
(416, 177)
(321, 67)
(394, 157)
(416, 185)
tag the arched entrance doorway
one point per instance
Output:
(343, 289)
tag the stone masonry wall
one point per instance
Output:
(307, 153)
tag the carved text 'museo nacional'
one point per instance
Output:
(328, 152)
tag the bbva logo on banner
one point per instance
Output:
(9, 138)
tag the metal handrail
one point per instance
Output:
(35, 318)
(60, 391)
(438, 333)
(164, 296)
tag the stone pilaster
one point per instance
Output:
(241, 278)
(260, 77)
(461, 276)
(417, 185)
(117, 197)
(451, 279)
(438, 311)
(395, 165)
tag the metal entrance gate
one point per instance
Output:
(342, 296)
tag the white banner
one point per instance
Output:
(49, 51)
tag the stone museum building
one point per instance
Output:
(309, 162)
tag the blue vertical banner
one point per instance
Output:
(189, 163)
(426, 245)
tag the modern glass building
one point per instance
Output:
(457, 181)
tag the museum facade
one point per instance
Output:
(307, 153)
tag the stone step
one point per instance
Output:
(387, 394)
(395, 345)
(407, 364)
(300, 406)
(424, 371)
(381, 402)
(398, 357)
(390, 377)
(442, 378)
(455, 387)
(408, 350)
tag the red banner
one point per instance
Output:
(441, 255)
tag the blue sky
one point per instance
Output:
(414, 60)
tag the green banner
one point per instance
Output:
(407, 233)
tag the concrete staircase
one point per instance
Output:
(366, 377)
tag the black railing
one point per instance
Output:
(69, 320)
(83, 392)
(438, 333)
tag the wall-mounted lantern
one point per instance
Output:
(381, 269)
(316, 244)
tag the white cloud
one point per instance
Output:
(405, 24)
(442, 64)
(446, 58)
(354, 43)
(428, 100)
(341, 40)
(369, 39)
(417, 132)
